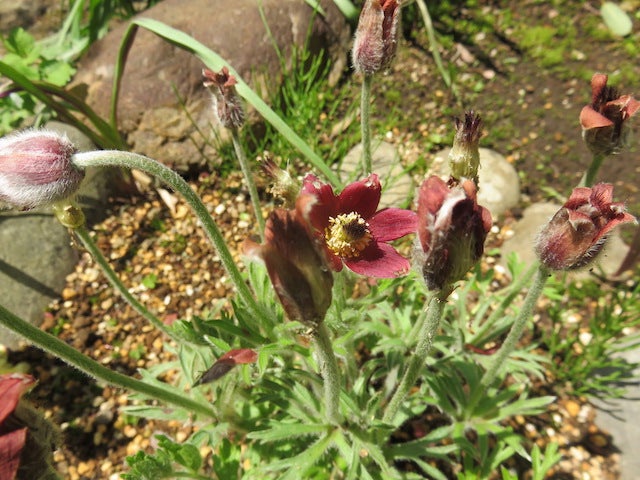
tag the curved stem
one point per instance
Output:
(365, 124)
(499, 359)
(132, 160)
(248, 177)
(330, 373)
(60, 349)
(590, 175)
(428, 331)
(115, 282)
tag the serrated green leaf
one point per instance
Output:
(56, 72)
(616, 19)
(22, 44)
(282, 431)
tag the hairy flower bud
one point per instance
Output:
(296, 264)
(578, 231)
(464, 157)
(452, 228)
(604, 121)
(376, 37)
(36, 169)
(226, 102)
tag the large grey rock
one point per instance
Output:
(37, 253)
(498, 182)
(161, 81)
(619, 417)
(534, 218)
(35, 258)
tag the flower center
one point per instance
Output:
(347, 235)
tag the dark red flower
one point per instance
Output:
(578, 231)
(603, 121)
(296, 263)
(452, 228)
(226, 362)
(354, 232)
(227, 105)
(12, 441)
(376, 37)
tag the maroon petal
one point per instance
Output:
(361, 197)
(240, 355)
(598, 84)
(12, 386)
(392, 223)
(326, 204)
(379, 260)
(589, 118)
(11, 445)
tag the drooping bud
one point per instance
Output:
(36, 169)
(464, 157)
(225, 363)
(226, 102)
(296, 264)
(452, 228)
(604, 121)
(376, 37)
(578, 231)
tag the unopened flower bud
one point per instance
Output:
(295, 263)
(284, 185)
(604, 121)
(578, 231)
(226, 102)
(376, 37)
(464, 157)
(36, 169)
(452, 228)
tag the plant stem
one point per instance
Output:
(514, 289)
(499, 359)
(132, 160)
(60, 349)
(590, 175)
(248, 177)
(102, 262)
(435, 308)
(365, 123)
(330, 373)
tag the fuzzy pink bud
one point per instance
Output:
(376, 37)
(578, 231)
(36, 169)
(227, 105)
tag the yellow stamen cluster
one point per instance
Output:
(347, 235)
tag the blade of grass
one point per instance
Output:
(215, 62)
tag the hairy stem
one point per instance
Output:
(499, 359)
(435, 308)
(132, 160)
(115, 282)
(590, 175)
(365, 123)
(60, 349)
(330, 373)
(248, 177)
